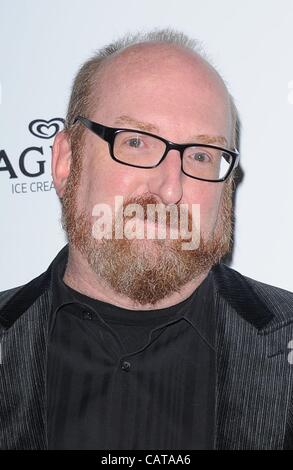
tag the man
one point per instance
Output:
(131, 340)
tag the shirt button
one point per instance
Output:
(87, 315)
(125, 366)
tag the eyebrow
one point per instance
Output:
(129, 121)
(211, 139)
(148, 127)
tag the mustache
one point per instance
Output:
(146, 201)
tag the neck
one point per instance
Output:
(80, 277)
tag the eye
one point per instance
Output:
(200, 157)
(135, 142)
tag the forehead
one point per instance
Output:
(161, 82)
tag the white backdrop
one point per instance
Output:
(42, 45)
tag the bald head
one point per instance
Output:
(152, 54)
(160, 85)
(148, 59)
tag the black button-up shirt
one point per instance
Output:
(125, 379)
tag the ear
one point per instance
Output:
(61, 161)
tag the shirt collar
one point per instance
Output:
(228, 285)
(197, 310)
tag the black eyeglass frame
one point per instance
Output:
(109, 133)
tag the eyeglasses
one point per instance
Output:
(141, 149)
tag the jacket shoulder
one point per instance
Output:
(14, 302)
(240, 288)
(278, 300)
(6, 295)
(268, 289)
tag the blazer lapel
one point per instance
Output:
(254, 376)
(23, 369)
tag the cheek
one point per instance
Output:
(101, 180)
(208, 196)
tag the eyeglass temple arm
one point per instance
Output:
(93, 126)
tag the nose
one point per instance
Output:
(166, 180)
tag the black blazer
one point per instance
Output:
(254, 363)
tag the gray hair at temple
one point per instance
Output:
(82, 95)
